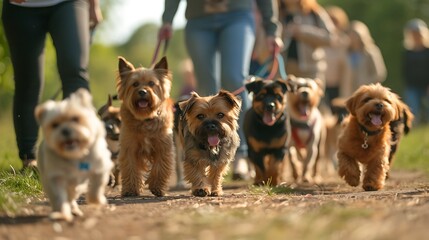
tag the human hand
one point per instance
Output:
(165, 32)
(95, 14)
(274, 44)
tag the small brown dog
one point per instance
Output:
(308, 128)
(111, 118)
(208, 133)
(367, 136)
(146, 140)
(267, 130)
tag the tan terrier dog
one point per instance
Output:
(208, 133)
(146, 140)
(111, 117)
(73, 158)
(367, 135)
(308, 128)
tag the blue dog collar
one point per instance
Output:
(84, 166)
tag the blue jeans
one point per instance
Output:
(417, 99)
(220, 46)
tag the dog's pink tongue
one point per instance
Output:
(213, 140)
(269, 118)
(303, 109)
(143, 103)
(376, 119)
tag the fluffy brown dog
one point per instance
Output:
(111, 118)
(267, 130)
(208, 132)
(146, 140)
(367, 136)
(307, 127)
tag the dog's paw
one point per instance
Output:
(157, 192)
(77, 212)
(129, 194)
(61, 216)
(216, 193)
(352, 180)
(200, 192)
(368, 187)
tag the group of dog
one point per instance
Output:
(134, 145)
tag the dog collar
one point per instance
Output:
(367, 133)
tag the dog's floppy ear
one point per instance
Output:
(185, 106)
(408, 118)
(290, 81)
(124, 67)
(42, 109)
(161, 64)
(255, 86)
(283, 84)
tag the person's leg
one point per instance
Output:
(201, 43)
(69, 29)
(412, 97)
(236, 44)
(25, 30)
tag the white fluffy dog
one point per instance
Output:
(73, 157)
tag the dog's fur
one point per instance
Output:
(308, 128)
(208, 133)
(111, 117)
(267, 130)
(146, 140)
(367, 136)
(73, 157)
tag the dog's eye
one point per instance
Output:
(279, 97)
(135, 84)
(201, 116)
(387, 100)
(55, 125)
(220, 115)
(365, 100)
(75, 119)
(151, 83)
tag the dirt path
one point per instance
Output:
(328, 211)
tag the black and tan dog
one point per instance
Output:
(208, 133)
(267, 130)
(111, 118)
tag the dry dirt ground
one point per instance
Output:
(331, 210)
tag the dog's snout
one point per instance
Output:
(379, 106)
(66, 132)
(304, 95)
(270, 106)
(142, 92)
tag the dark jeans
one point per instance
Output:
(26, 29)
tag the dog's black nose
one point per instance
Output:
(142, 92)
(211, 126)
(270, 106)
(66, 132)
(379, 106)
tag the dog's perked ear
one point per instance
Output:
(161, 64)
(124, 67)
(235, 101)
(105, 106)
(185, 106)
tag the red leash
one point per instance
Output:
(158, 45)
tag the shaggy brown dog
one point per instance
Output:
(367, 135)
(267, 130)
(308, 128)
(146, 140)
(208, 133)
(111, 118)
